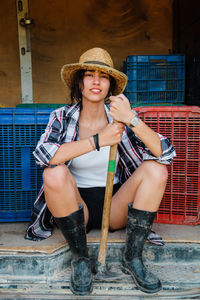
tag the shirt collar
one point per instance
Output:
(74, 111)
(107, 110)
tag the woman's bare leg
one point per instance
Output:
(145, 188)
(61, 192)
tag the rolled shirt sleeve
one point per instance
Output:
(50, 140)
(168, 151)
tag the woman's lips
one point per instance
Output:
(95, 91)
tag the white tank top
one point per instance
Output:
(90, 169)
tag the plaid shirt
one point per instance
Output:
(63, 128)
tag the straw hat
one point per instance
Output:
(94, 59)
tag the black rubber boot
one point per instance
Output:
(139, 224)
(73, 229)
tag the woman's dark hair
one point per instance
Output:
(77, 86)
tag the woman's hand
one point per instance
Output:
(111, 135)
(120, 109)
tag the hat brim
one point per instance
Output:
(68, 72)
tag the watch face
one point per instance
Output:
(134, 121)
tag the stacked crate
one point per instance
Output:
(155, 79)
(181, 124)
(156, 88)
(20, 178)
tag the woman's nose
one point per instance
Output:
(96, 79)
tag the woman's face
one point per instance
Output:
(96, 85)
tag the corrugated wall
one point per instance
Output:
(63, 29)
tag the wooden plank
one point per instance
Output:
(63, 29)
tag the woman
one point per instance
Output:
(75, 173)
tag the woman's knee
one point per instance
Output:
(157, 171)
(55, 178)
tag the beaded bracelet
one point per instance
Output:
(91, 143)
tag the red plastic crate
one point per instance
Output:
(181, 124)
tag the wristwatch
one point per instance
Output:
(134, 121)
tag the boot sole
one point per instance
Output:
(81, 293)
(127, 271)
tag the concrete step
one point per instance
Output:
(40, 265)
(180, 281)
(177, 266)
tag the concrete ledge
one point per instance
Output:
(12, 237)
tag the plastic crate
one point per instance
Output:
(181, 201)
(20, 178)
(155, 79)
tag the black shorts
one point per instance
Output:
(94, 199)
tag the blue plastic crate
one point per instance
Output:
(20, 178)
(155, 79)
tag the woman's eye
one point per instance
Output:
(104, 76)
(88, 74)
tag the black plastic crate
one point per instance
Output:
(192, 81)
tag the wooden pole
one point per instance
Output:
(107, 205)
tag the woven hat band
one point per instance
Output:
(96, 63)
